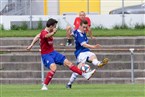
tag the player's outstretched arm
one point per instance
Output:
(36, 38)
(91, 46)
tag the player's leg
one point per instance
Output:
(73, 76)
(61, 60)
(75, 69)
(71, 80)
(68, 36)
(80, 59)
(50, 64)
(93, 58)
(49, 76)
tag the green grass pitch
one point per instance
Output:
(87, 90)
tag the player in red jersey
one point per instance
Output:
(52, 58)
(69, 29)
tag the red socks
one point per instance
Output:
(49, 77)
(75, 69)
(51, 73)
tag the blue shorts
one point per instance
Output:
(53, 57)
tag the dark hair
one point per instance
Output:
(51, 22)
(83, 22)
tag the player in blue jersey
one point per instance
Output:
(82, 52)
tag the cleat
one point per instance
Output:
(104, 62)
(68, 86)
(69, 42)
(88, 75)
(44, 88)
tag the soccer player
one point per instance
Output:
(69, 29)
(82, 52)
(52, 58)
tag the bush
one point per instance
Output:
(100, 27)
(15, 27)
(1, 27)
(40, 26)
(139, 26)
(121, 27)
(23, 26)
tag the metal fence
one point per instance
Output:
(15, 7)
(22, 7)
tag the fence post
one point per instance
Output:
(42, 72)
(132, 64)
(42, 69)
(30, 14)
(123, 15)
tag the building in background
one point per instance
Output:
(59, 7)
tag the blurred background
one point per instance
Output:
(59, 7)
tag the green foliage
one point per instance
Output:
(100, 27)
(1, 27)
(139, 26)
(121, 27)
(14, 27)
(23, 26)
(40, 25)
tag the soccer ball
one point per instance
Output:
(85, 68)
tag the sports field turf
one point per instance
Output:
(88, 90)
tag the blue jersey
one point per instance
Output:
(80, 39)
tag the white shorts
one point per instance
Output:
(82, 57)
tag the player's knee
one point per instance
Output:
(91, 58)
(68, 28)
(53, 67)
(67, 63)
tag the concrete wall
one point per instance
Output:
(107, 21)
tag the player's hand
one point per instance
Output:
(54, 30)
(97, 46)
(93, 37)
(29, 48)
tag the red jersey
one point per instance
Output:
(78, 21)
(46, 44)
